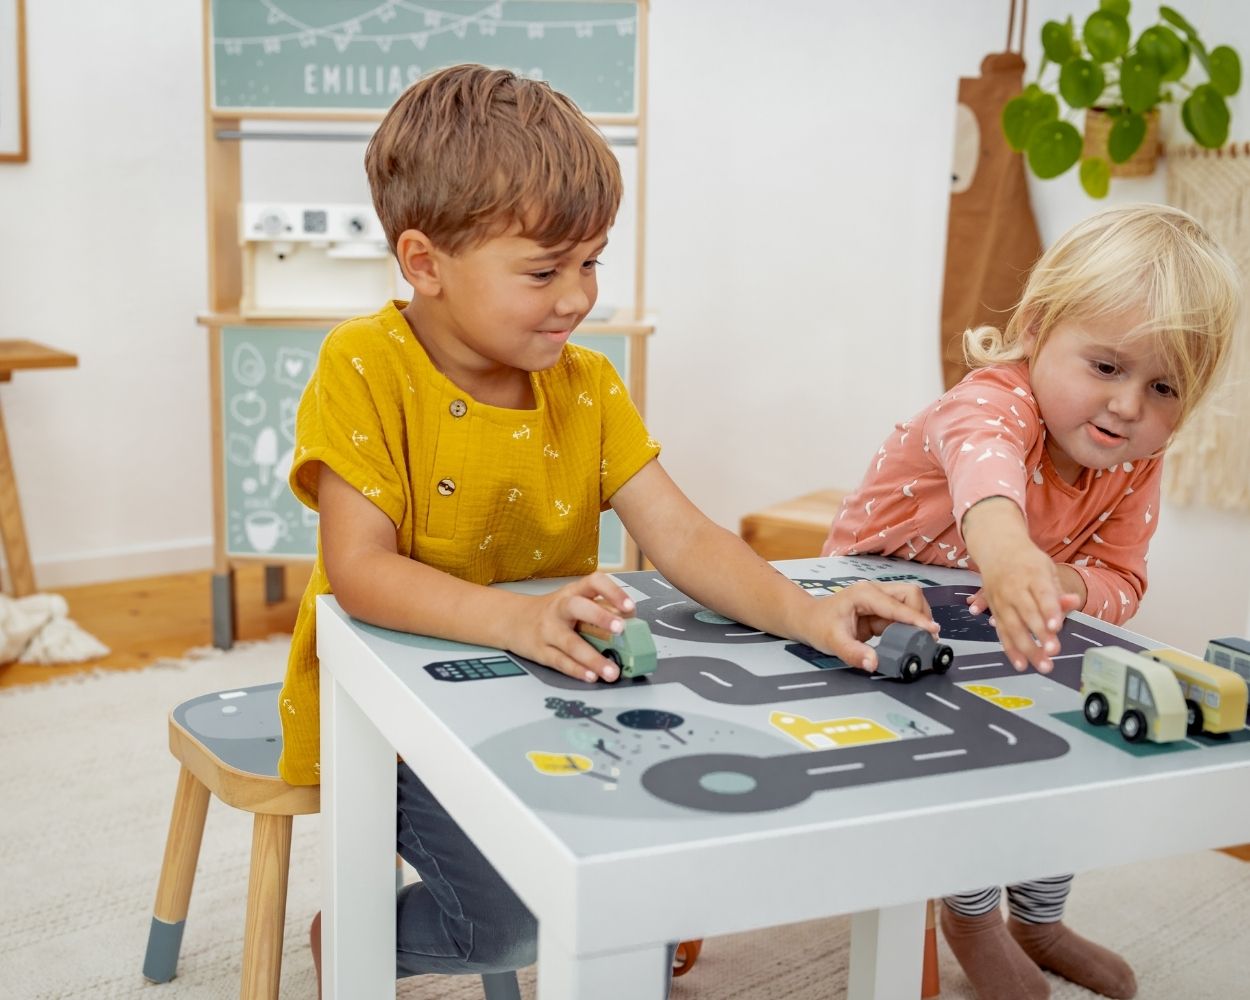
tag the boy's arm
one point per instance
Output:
(718, 569)
(375, 583)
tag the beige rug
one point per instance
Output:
(85, 791)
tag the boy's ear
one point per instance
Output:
(418, 262)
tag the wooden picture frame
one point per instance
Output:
(13, 130)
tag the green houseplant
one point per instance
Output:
(1103, 70)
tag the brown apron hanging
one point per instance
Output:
(991, 236)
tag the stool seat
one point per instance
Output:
(228, 744)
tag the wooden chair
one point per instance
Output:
(228, 744)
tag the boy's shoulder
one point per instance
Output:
(387, 325)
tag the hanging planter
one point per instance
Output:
(1104, 141)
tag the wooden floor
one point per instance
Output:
(162, 617)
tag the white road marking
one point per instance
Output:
(833, 768)
(1011, 739)
(719, 680)
(675, 628)
(941, 753)
(983, 666)
(670, 604)
(1092, 642)
(662, 582)
(930, 694)
(793, 687)
(736, 635)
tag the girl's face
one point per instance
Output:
(1103, 391)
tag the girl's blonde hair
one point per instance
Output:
(1154, 258)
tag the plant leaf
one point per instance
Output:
(1058, 43)
(1173, 18)
(1205, 115)
(1081, 82)
(1024, 113)
(1115, 6)
(1106, 35)
(1127, 132)
(1053, 147)
(1139, 82)
(1166, 50)
(1095, 177)
(1225, 69)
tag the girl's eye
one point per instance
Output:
(1104, 368)
(1163, 389)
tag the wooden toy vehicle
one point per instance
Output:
(633, 650)
(905, 651)
(1231, 652)
(1215, 697)
(1133, 692)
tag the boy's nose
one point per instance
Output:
(573, 300)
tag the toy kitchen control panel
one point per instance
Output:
(314, 259)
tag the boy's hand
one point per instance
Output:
(839, 624)
(1020, 583)
(546, 630)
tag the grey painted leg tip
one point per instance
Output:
(500, 986)
(160, 964)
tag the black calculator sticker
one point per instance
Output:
(481, 668)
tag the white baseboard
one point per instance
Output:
(181, 556)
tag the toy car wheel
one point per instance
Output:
(1133, 727)
(613, 655)
(943, 659)
(909, 670)
(1096, 710)
(1193, 722)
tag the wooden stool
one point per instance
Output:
(16, 355)
(228, 744)
(796, 529)
(792, 529)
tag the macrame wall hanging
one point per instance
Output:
(1209, 463)
(991, 236)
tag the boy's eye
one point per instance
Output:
(542, 275)
(591, 264)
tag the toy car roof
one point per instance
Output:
(1233, 642)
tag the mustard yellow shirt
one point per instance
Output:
(483, 493)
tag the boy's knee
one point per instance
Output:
(509, 940)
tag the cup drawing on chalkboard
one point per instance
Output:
(264, 529)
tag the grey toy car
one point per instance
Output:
(905, 651)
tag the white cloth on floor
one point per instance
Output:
(37, 629)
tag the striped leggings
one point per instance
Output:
(1037, 902)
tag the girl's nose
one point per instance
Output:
(1126, 402)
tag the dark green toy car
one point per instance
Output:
(633, 650)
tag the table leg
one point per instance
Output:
(358, 850)
(12, 530)
(887, 953)
(640, 973)
(224, 616)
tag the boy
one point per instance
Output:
(458, 441)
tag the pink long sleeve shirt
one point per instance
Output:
(986, 438)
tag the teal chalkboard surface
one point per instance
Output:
(361, 54)
(264, 370)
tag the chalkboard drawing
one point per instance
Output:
(264, 529)
(239, 448)
(281, 473)
(994, 696)
(821, 734)
(248, 366)
(292, 366)
(248, 408)
(265, 453)
(287, 409)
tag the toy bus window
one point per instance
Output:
(1213, 700)
(1223, 660)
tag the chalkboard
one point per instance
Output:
(362, 54)
(264, 370)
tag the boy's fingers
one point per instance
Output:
(909, 594)
(879, 603)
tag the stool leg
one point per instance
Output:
(12, 530)
(173, 894)
(275, 584)
(930, 981)
(266, 907)
(500, 986)
(224, 615)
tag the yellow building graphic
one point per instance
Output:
(821, 734)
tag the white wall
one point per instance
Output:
(796, 228)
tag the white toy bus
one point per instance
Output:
(1127, 690)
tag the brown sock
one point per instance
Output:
(995, 965)
(1065, 953)
(314, 941)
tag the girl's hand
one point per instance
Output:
(839, 624)
(546, 627)
(1023, 590)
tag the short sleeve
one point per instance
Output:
(343, 419)
(625, 444)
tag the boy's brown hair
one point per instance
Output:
(469, 152)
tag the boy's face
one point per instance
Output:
(510, 303)
(1103, 392)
